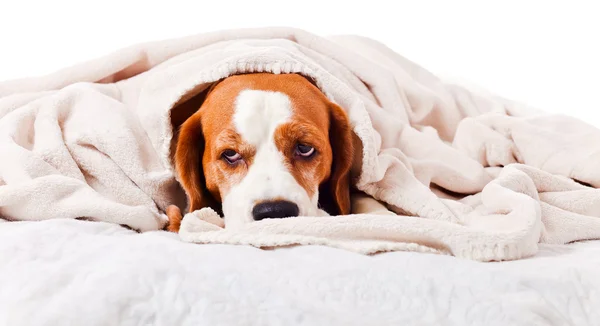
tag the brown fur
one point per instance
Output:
(316, 121)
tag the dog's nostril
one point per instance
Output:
(275, 209)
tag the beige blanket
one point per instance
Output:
(469, 174)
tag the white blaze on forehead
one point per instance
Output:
(258, 113)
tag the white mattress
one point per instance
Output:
(63, 272)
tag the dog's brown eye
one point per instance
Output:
(231, 156)
(305, 150)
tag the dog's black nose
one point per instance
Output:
(275, 209)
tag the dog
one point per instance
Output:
(262, 146)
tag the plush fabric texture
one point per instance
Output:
(469, 174)
(66, 272)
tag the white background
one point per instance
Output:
(544, 53)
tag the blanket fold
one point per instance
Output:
(465, 173)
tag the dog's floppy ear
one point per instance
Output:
(188, 150)
(338, 185)
(188, 162)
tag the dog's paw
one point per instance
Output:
(174, 215)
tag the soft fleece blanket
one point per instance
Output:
(469, 174)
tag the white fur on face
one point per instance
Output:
(257, 116)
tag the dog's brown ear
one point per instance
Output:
(188, 148)
(338, 185)
(188, 163)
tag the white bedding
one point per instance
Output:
(68, 272)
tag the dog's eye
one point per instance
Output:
(231, 156)
(304, 150)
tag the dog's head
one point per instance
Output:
(266, 146)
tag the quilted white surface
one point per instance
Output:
(61, 272)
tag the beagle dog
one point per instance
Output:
(262, 145)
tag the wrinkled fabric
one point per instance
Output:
(469, 174)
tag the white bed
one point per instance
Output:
(68, 272)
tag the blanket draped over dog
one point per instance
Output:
(468, 174)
